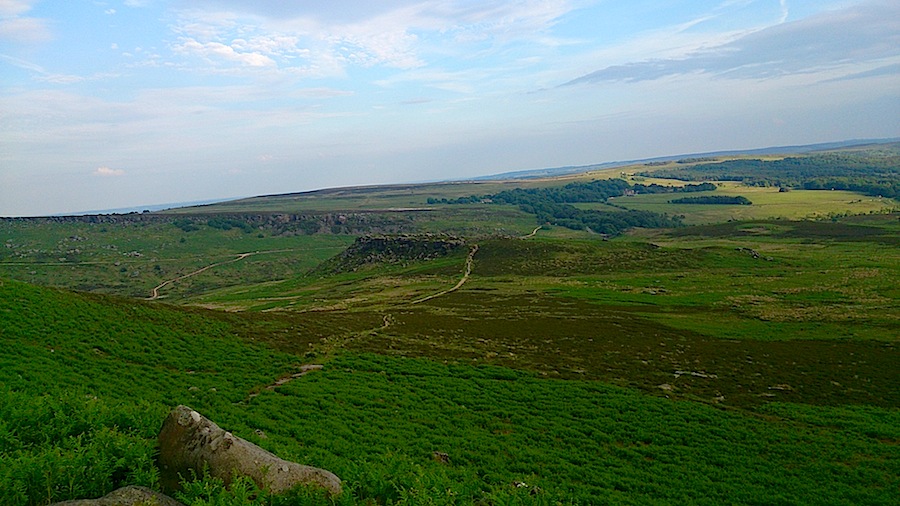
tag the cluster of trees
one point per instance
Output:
(713, 199)
(688, 188)
(871, 174)
(554, 205)
(229, 223)
(595, 191)
(875, 188)
(191, 225)
(603, 222)
(185, 225)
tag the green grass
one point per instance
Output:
(768, 203)
(132, 258)
(83, 398)
(762, 280)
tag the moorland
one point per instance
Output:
(701, 330)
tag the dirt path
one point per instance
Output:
(304, 369)
(469, 260)
(154, 294)
(533, 232)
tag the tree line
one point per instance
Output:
(554, 205)
(875, 174)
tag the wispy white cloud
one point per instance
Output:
(62, 78)
(17, 27)
(456, 81)
(869, 32)
(215, 51)
(108, 172)
(892, 70)
(15, 7)
(327, 38)
(22, 64)
(41, 73)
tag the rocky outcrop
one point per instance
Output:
(189, 441)
(128, 496)
(392, 249)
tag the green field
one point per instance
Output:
(472, 354)
(768, 203)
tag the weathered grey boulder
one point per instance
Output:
(189, 441)
(128, 496)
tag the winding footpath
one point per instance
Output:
(469, 260)
(387, 319)
(533, 232)
(154, 294)
(304, 370)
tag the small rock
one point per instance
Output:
(128, 496)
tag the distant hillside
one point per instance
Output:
(870, 170)
(781, 150)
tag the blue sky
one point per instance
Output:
(109, 104)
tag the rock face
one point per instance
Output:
(188, 440)
(128, 496)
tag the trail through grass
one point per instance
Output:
(77, 422)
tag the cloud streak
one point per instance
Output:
(18, 28)
(213, 51)
(328, 38)
(108, 172)
(869, 32)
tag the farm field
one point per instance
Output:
(768, 203)
(475, 351)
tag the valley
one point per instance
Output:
(489, 342)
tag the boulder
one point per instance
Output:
(128, 496)
(189, 441)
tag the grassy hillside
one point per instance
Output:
(279, 238)
(132, 256)
(87, 380)
(481, 345)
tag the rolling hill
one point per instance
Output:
(486, 342)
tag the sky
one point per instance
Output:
(112, 104)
